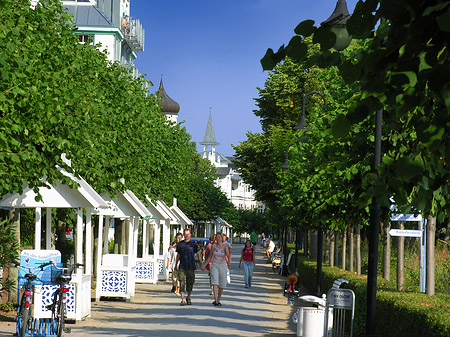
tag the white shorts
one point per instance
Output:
(219, 274)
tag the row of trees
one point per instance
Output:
(58, 96)
(399, 66)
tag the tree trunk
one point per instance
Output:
(13, 272)
(344, 249)
(431, 233)
(328, 246)
(306, 242)
(336, 249)
(332, 251)
(350, 248)
(401, 260)
(313, 245)
(358, 249)
(386, 251)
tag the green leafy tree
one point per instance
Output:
(403, 71)
(9, 252)
(202, 200)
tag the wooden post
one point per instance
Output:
(400, 259)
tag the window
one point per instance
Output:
(85, 38)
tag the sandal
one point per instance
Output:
(188, 301)
(183, 303)
(219, 304)
(215, 303)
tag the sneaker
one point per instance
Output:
(246, 286)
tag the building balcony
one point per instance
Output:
(133, 33)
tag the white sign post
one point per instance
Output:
(412, 233)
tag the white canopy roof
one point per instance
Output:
(156, 211)
(137, 204)
(163, 208)
(56, 196)
(180, 214)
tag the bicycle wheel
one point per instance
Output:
(60, 316)
(25, 322)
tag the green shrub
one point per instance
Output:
(399, 314)
(7, 306)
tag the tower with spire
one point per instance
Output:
(209, 140)
(168, 106)
(229, 180)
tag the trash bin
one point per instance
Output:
(313, 320)
(310, 320)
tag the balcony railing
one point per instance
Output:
(135, 72)
(134, 33)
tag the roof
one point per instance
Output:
(223, 171)
(88, 16)
(168, 105)
(56, 196)
(180, 214)
(210, 137)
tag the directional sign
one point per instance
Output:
(414, 233)
(406, 217)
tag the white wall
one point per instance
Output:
(109, 43)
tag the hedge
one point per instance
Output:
(398, 314)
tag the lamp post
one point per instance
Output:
(337, 21)
(285, 167)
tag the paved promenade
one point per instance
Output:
(258, 311)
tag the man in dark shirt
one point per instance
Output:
(186, 269)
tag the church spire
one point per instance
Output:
(209, 138)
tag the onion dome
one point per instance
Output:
(168, 105)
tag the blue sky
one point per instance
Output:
(209, 53)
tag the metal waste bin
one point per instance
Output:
(310, 320)
(313, 320)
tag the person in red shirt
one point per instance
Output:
(248, 257)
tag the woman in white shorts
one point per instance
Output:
(220, 255)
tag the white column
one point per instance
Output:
(48, 229)
(157, 240)
(135, 239)
(99, 257)
(88, 243)
(156, 244)
(79, 238)
(38, 227)
(130, 239)
(166, 236)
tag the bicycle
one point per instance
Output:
(58, 307)
(24, 320)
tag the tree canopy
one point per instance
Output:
(58, 96)
(403, 70)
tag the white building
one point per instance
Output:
(108, 22)
(230, 181)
